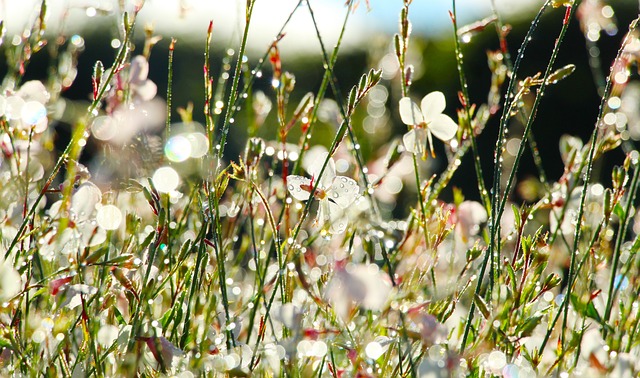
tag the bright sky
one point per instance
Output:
(428, 17)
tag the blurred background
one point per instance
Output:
(569, 107)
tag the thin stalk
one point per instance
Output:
(537, 160)
(494, 223)
(169, 90)
(233, 94)
(486, 202)
(594, 239)
(249, 84)
(622, 231)
(589, 169)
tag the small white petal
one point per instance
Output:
(432, 105)
(443, 127)
(13, 110)
(329, 172)
(324, 212)
(299, 187)
(339, 220)
(343, 191)
(107, 335)
(84, 200)
(312, 155)
(34, 90)
(410, 112)
(139, 70)
(10, 281)
(415, 140)
(32, 112)
(92, 235)
(146, 90)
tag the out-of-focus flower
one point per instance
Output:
(163, 350)
(125, 122)
(142, 89)
(72, 294)
(363, 285)
(593, 209)
(593, 350)
(334, 193)
(261, 106)
(25, 109)
(470, 215)
(426, 120)
(130, 114)
(82, 229)
(431, 331)
(10, 280)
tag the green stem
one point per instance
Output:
(494, 222)
(589, 168)
(622, 231)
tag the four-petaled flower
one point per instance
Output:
(334, 193)
(426, 120)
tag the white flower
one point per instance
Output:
(471, 215)
(142, 88)
(363, 285)
(82, 230)
(10, 280)
(334, 193)
(426, 119)
(25, 109)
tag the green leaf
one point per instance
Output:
(561, 73)
(618, 210)
(516, 215)
(4, 343)
(526, 328)
(119, 316)
(512, 278)
(482, 306)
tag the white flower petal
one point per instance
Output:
(378, 285)
(312, 155)
(34, 90)
(84, 200)
(432, 105)
(94, 238)
(146, 90)
(324, 212)
(339, 220)
(299, 187)
(329, 172)
(410, 112)
(139, 70)
(10, 281)
(443, 127)
(107, 335)
(343, 191)
(415, 140)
